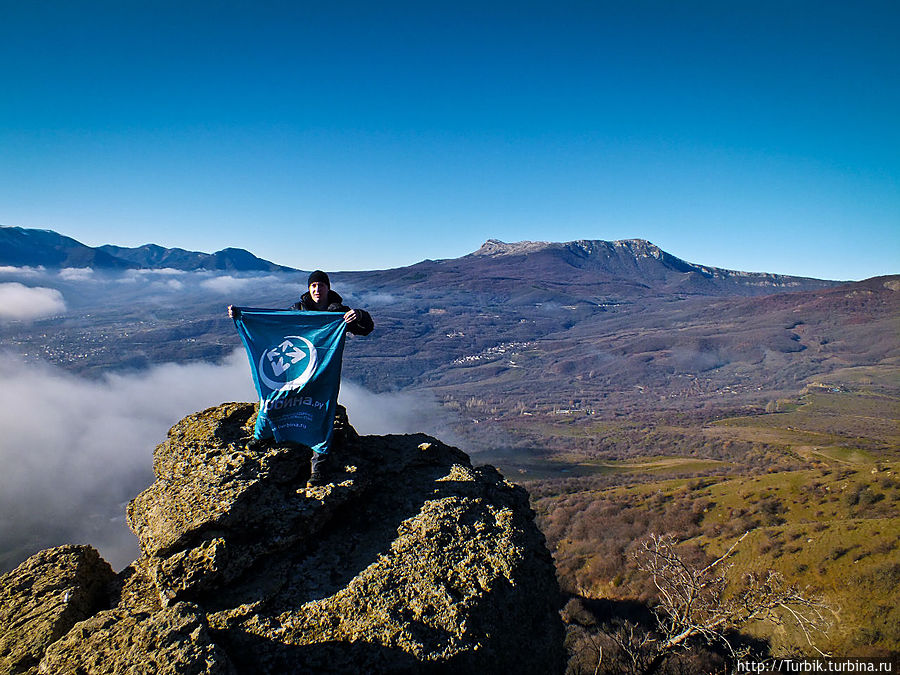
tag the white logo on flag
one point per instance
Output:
(285, 360)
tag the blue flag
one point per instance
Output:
(295, 358)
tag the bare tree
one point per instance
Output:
(694, 602)
(696, 605)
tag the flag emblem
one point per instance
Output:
(289, 365)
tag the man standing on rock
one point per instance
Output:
(318, 298)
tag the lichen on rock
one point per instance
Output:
(408, 560)
(44, 597)
(170, 641)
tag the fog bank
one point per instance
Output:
(75, 450)
(24, 303)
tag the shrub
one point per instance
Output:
(885, 546)
(839, 552)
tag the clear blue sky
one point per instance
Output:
(755, 135)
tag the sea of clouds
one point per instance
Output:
(75, 450)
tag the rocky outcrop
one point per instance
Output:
(170, 641)
(408, 560)
(44, 597)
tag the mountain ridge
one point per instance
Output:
(629, 266)
(24, 247)
(153, 256)
(43, 247)
(638, 248)
(630, 269)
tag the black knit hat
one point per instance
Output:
(319, 276)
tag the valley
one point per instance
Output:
(815, 485)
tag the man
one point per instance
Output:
(320, 298)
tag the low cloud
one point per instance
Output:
(374, 299)
(390, 413)
(160, 272)
(133, 276)
(225, 284)
(164, 271)
(20, 302)
(74, 451)
(21, 272)
(695, 361)
(76, 273)
(168, 285)
(230, 284)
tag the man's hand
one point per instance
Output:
(233, 312)
(350, 316)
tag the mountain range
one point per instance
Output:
(32, 247)
(520, 272)
(516, 323)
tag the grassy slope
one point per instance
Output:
(839, 537)
(823, 508)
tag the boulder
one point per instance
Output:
(170, 641)
(408, 559)
(44, 597)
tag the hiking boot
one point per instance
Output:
(317, 470)
(258, 443)
(316, 479)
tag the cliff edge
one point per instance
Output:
(410, 560)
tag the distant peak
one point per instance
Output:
(495, 247)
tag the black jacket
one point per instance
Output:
(363, 324)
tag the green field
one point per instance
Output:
(820, 501)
